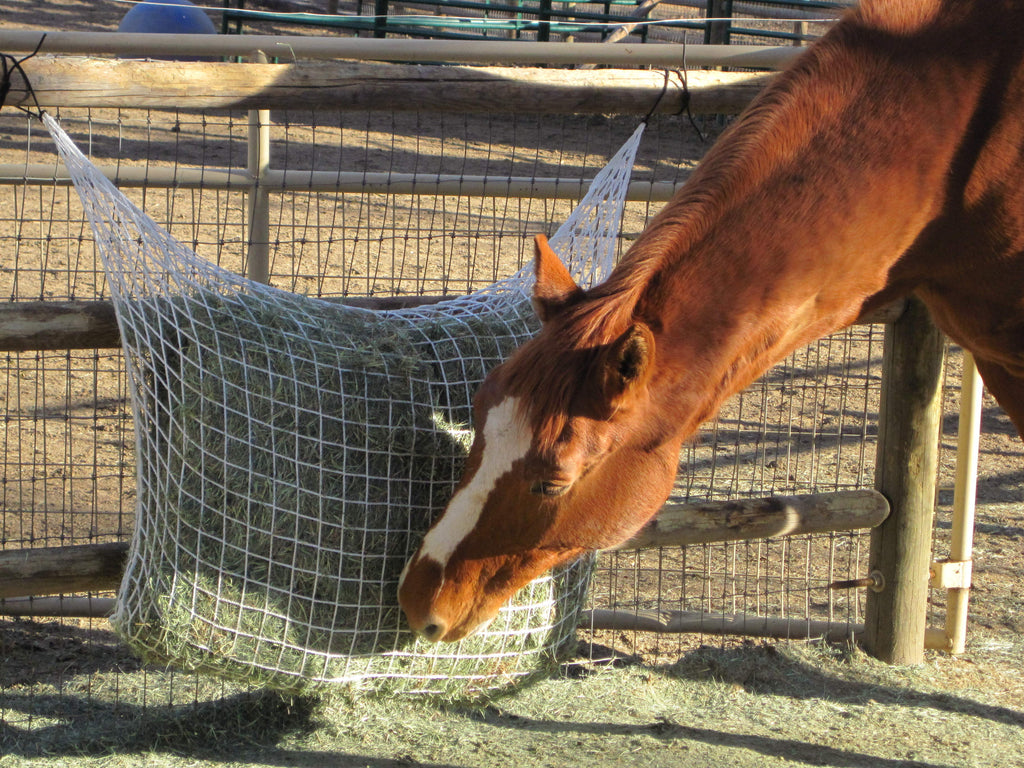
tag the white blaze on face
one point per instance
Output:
(506, 440)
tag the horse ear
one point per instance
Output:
(554, 289)
(629, 361)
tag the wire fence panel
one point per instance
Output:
(68, 459)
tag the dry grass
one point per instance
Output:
(741, 704)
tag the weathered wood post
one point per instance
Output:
(717, 32)
(258, 163)
(910, 415)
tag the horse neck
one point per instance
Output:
(796, 218)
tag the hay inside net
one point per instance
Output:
(291, 452)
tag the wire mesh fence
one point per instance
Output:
(68, 459)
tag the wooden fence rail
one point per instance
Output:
(356, 86)
(738, 520)
(39, 326)
(98, 567)
(62, 570)
(679, 622)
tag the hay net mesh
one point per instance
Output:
(292, 451)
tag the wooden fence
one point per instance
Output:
(900, 552)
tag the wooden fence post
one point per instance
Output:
(717, 32)
(910, 416)
(258, 162)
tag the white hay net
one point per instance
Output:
(291, 452)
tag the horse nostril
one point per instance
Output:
(433, 632)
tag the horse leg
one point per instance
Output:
(1006, 387)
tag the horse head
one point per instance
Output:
(573, 399)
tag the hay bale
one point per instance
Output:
(294, 454)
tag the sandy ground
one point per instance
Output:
(70, 693)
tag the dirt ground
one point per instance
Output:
(70, 693)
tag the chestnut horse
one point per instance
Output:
(886, 161)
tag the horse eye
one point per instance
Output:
(545, 488)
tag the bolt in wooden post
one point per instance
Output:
(908, 435)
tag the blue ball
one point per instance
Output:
(168, 16)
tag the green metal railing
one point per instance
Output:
(527, 19)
